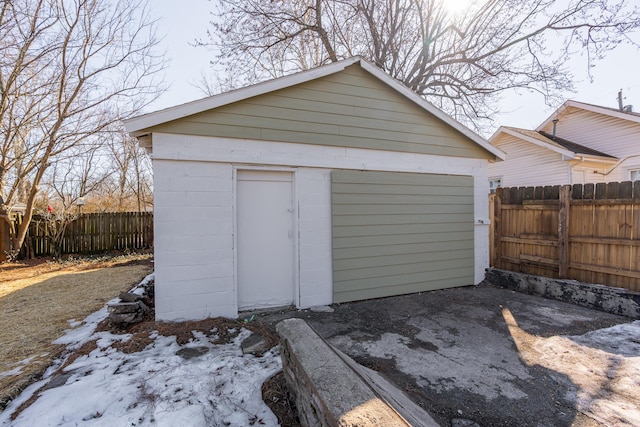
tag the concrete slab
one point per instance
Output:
(493, 357)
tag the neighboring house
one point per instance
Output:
(579, 143)
(331, 185)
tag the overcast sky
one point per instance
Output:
(183, 22)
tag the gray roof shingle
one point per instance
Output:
(575, 147)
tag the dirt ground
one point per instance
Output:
(40, 298)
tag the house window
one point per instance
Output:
(497, 182)
(635, 174)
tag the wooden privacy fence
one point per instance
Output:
(589, 233)
(90, 233)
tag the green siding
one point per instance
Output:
(398, 233)
(347, 109)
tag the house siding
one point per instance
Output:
(195, 214)
(528, 164)
(399, 233)
(347, 109)
(589, 172)
(607, 134)
(611, 135)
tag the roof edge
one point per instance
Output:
(176, 112)
(589, 107)
(601, 159)
(539, 143)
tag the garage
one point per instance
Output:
(330, 185)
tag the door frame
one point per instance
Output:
(296, 253)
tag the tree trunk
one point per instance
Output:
(5, 236)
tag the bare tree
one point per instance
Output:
(70, 70)
(131, 169)
(459, 61)
(83, 170)
(108, 173)
(67, 182)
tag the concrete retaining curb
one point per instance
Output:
(599, 297)
(330, 389)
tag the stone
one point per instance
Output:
(58, 381)
(127, 307)
(191, 352)
(122, 318)
(129, 297)
(143, 307)
(123, 307)
(463, 422)
(254, 343)
(321, 309)
(122, 313)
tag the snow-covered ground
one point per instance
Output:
(152, 387)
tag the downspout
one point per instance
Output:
(570, 170)
(571, 166)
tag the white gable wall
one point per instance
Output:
(194, 199)
(528, 164)
(610, 135)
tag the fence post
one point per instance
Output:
(497, 229)
(563, 231)
(492, 245)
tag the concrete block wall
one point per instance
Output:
(194, 240)
(313, 192)
(598, 297)
(194, 248)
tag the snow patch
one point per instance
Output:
(153, 387)
(18, 369)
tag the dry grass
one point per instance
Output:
(277, 397)
(38, 303)
(34, 268)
